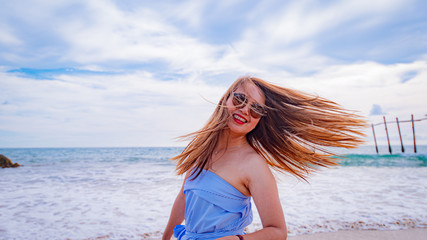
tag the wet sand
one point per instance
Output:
(409, 234)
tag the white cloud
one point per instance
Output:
(277, 36)
(197, 14)
(368, 83)
(277, 41)
(286, 37)
(131, 109)
(138, 109)
(7, 37)
(190, 11)
(360, 85)
(105, 34)
(100, 33)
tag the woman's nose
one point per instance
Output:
(246, 109)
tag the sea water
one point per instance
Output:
(127, 193)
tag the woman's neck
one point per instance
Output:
(229, 142)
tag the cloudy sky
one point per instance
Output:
(94, 73)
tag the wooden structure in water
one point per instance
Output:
(400, 134)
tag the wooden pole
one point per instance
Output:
(413, 132)
(400, 135)
(375, 139)
(388, 139)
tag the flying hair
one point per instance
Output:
(293, 137)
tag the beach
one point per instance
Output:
(127, 193)
(408, 234)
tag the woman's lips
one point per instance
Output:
(239, 119)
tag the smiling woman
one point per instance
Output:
(256, 125)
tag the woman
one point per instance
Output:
(256, 126)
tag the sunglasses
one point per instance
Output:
(240, 100)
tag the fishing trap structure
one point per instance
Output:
(398, 129)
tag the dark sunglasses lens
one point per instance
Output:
(239, 100)
(255, 114)
(256, 111)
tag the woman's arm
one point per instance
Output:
(263, 187)
(177, 214)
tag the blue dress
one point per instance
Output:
(214, 209)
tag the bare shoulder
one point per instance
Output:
(256, 166)
(253, 160)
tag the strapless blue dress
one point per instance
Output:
(214, 209)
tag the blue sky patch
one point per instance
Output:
(48, 74)
(408, 76)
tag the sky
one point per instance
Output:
(128, 73)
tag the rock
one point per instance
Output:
(6, 163)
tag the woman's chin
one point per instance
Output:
(239, 129)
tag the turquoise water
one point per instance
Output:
(364, 156)
(392, 160)
(34, 156)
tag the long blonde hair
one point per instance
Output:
(292, 137)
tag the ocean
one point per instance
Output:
(127, 193)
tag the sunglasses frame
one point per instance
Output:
(253, 108)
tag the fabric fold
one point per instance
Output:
(214, 208)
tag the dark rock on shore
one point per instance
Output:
(6, 163)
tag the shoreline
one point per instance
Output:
(401, 234)
(405, 234)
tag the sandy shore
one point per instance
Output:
(409, 234)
